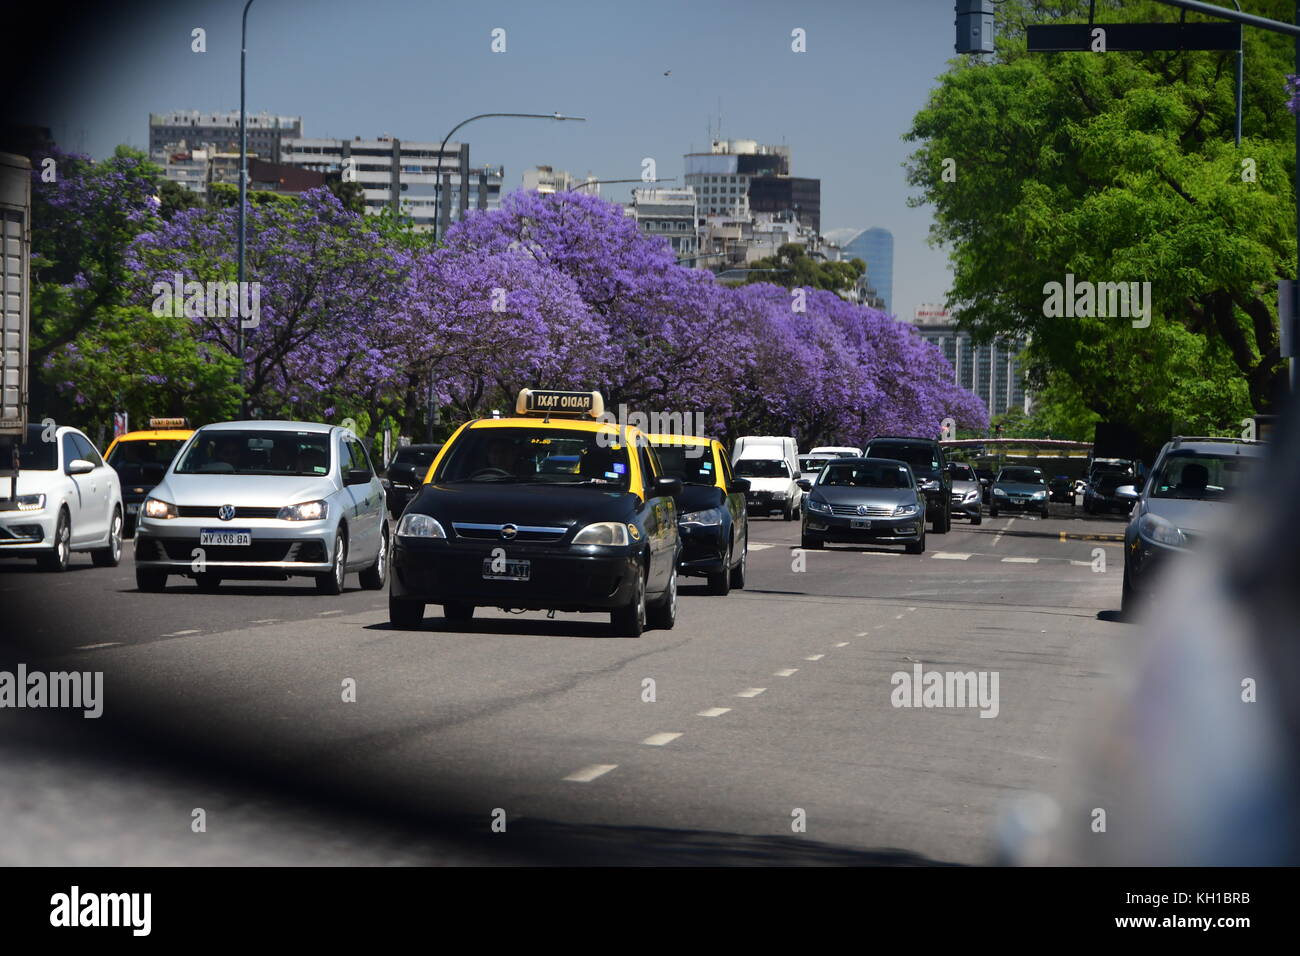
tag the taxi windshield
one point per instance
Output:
(547, 456)
(153, 451)
(692, 464)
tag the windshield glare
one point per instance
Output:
(256, 452)
(677, 462)
(158, 451)
(762, 468)
(866, 476)
(1202, 477)
(1023, 476)
(545, 456)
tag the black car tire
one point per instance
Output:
(629, 620)
(942, 522)
(1127, 597)
(916, 547)
(809, 543)
(456, 611)
(720, 581)
(788, 514)
(738, 572)
(57, 559)
(331, 582)
(403, 613)
(148, 580)
(663, 613)
(993, 512)
(375, 577)
(1046, 512)
(977, 519)
(208, 582)
(111, 556)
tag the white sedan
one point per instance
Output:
(66, 499)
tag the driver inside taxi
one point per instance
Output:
(501, 455)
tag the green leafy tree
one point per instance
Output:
(1119, 167)
(793, 268)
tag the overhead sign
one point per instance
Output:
(1108, 37)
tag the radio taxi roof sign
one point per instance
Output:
(548, 401)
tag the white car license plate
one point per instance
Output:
(235, 537)
(859, 524)
(506, 570)
(133, 508)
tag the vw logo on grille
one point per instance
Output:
(508, 531)
(226, 512)
(862, 509)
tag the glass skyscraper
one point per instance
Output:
(875, 247)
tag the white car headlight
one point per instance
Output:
(709, 518)
(612, 533)
(157, 508)
(929, 484)
(972, 494)
(819, 506)
(1159, 531)
(305, 511)
(415, 525)
(904, 510)
(778, 496)
(30, 502)
(1039, 495)
(999, 491)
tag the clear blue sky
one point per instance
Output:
(414, 68)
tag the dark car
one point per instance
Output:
(1189, 488)
(1061, 488)
(1019, 488)
(986, 476)
(966, 492)
(542, 513)
(140, 460)
(1101, 497)
(405, 474)
(930, 469)
(712, 518)
(865, 501)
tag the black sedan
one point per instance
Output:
(525, 514)
(405, 474)
(867, 501)
(1019, 488)
(1061, 488)
(712, 518)
(1101, 497)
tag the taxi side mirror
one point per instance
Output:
(805, 484)
(666, 487)
(739, 486)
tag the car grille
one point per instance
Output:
(210, 511)
(491, 532)
(851, 511)
(22, 532)
(182, 549)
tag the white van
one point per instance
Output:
(838, 451)
(771, 464)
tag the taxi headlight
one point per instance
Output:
(415, 525)
(612, 533)
(157, 508)
(30, 502)
(710, 518)
(819, 506)
(1159, 531)
(305, 511)
(903, 511)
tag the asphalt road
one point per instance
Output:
(771, 708)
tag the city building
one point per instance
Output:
(798, 196)
(875, 247)
(190, 168)
(670, 213)
(403, 175)
(721, 177)
(220, 131)
(544, 179)
(992, 370)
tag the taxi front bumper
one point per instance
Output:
(560, 577)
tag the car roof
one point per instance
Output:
(1217, 446)
(270, 426)
(152, 434)
(900, 439)
(557, 424)
(660, 439)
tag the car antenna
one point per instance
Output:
(547, 419)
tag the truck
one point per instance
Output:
(15, 304)
(771, 463)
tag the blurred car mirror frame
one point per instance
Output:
(805, 484)
(79, 466)
(1126, 491)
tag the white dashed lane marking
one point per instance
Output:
(786, 672)
(1019, 560)
(268, 620)
(588, 774)
(950, 556)
(658, 740)
(93, 647)
(751, 692)
(814, 657)
(846, 643)
(181, 633)
(323, 613)
(760, 547)
(714, 712)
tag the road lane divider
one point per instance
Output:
(658, 740)
(588, 774)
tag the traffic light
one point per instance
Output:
(974, 26)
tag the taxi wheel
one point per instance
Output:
(405, 613)
(664, 613)
(57, 558)
(629, 621)
(332, 581)
(720, 582)
(375, 577)
(110, 556)
(738, 572)
(152, 581)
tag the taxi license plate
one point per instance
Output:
(133, 508)
(507, 570)
(860, 524)
(239, 537)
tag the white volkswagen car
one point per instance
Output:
(66, 499)
(265, 500)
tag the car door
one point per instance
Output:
(735, 501)
(374, 504)
(81, 499)
(104, 480)
(367, 504)
(659, 514)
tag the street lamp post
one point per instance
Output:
(243, 195)
(606, 182)
(437, 185)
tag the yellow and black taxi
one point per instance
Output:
(141, 459)
(711, 515)
(554, 508)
